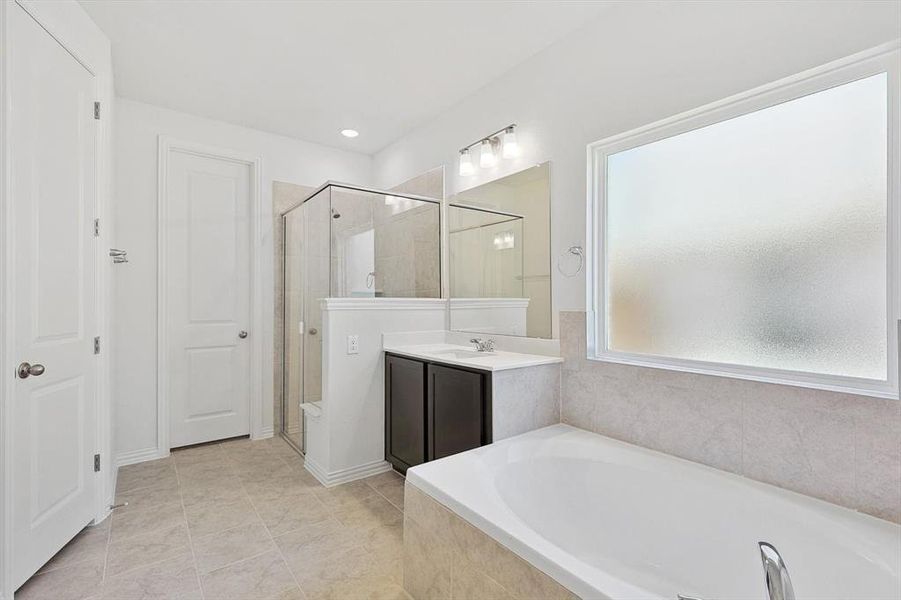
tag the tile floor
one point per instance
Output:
(236, 520)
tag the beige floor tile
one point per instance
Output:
(263, 576)
(279, 488)
(225, 489)
(89, 546)
(394, 494)
(144, 475)
(342, 495)
(75, 582)
(312, 543)
(353, 574)
(166, 492)
(211, 517)
(198, 472)
(133, 522)
(288, 513)
(261, 474)
(294, 593)
(232, 545)
(385, 540)
(141, 550)
(368, 513)
(173, 579)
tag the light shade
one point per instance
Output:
(487, 157)
(466, 168)
(510, 148)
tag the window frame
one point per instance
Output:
(882, 59)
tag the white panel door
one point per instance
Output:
(53, 134)
(208, 297)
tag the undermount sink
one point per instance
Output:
(462, 353)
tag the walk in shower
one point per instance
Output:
(347, 242)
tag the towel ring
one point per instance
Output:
(571, 261)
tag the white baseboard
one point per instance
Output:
(345, 475)
(136, 456)
(265, 432)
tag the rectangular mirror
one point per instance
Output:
(499, 247)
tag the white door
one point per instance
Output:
(207, 279)
(52, 135)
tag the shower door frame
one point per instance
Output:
(284, 333)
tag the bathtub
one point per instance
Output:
(607, 519)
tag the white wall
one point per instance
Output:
(138, 126)
(348, 441)
(637, 63)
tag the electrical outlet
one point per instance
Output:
(353, 344)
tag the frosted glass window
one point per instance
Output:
(757, 241)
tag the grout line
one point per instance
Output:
(184, 512)
(272, 539)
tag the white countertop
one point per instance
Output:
(465, 356)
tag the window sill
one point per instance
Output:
(844, 385)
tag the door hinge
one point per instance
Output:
(96, 463)
(97, 345)
(96, 227)
(97, 110)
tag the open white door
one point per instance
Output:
(207, 289)
(52, 170)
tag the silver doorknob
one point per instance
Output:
(25, 370)
(242, 334)
(314, 331)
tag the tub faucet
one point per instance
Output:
(778, 583)
(483, 345)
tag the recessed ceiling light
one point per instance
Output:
(351, 133)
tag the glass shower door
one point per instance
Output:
(294, 328)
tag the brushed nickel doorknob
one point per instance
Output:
(26, 370)
(242, 334)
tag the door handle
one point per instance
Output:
(26, 370)
(314, 331)
(242, 334)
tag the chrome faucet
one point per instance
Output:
(483, 345)
(778, 583)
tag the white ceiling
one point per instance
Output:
(308, 69)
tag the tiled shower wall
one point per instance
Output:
(843, 448)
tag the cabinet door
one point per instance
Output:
(456, 411)
(404, 412)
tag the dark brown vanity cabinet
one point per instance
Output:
(433, 410)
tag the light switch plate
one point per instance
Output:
(353, 344)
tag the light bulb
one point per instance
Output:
(465, 164)
(510, 148)
(487, 158)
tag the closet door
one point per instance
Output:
(53, 137)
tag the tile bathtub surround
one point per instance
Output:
(446, 557)
(241, 519)
(843, 448)
(524, 399)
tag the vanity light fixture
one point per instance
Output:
(350, 133)
(488, 155)
(466, 168)
(487, 158)
(510, 148)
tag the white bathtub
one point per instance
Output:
(611, 520)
